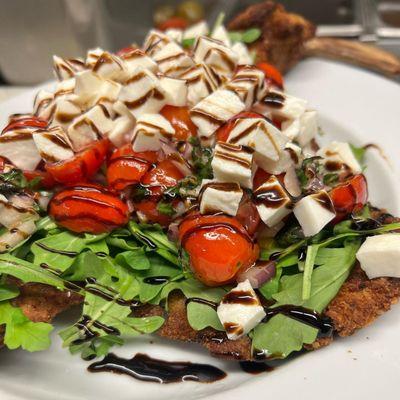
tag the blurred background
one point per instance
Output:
(32, 30)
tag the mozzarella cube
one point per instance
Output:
(142, 93)
(175, 89)
(12, 237)
(53, 144)
(66, 69)
(220, 197)
(150, 131)
(308, 127)
(175, 34)
(154, 41)
(110, 66)
(233, 163)
(214, 53)
(65, 110)
(136, 58)
(122, 131)
(172, 60)
(249, 84)
(380, 256)
(338, 155)
(240, 317)
(284, 106)
(220, 33)
(13, 214)
(196, 30)
(65, 87)
(43, 104)
(92, 56)
(90, 126)
(201, 80)
(272, 201)
(314, 212)
(291, 128)
(217, 108)
(259, 134)
(244, 56)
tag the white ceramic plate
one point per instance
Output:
(353, 105)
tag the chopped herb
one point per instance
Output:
(188, 43)
(248, 36)
(331, 179)
(359, 153)
(165, 209)
(202, 157)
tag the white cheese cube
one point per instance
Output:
(53, 144)
(214, 110)
(380, 256)
(66, 69)
(233, 163)
(221, 34)
(175, 34)
(176, 90)
(89, 127)
(43, 104)
(240, 316)
(92, 56)
(142, 93)
(65, 87)
(122, 131)
(136, 58)
(214, 53)
(150, 131)
(338, 155)
(283, 106)
(220, 197)
(272, 201)
(13, 213)
(314, 212)
(249, 84)
(259, 134)
(308, 127)
(65, 110)
(196, 30)
(172, 60)
(154, 41)
(110, 66)
(243, 53)
(201, 80)
(291, 128)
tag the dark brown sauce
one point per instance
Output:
(47, 267)
(271, 197)
(244, 133)
(233, 158)
(145, 368)
(255, 368)
(233, 328)
(156, 280)
(212, 119)
(221, 186)
(240, 297)
(199, 300)
(293, 155)
(324, 200)
(274, 100)
(333, 165)
(57, 251)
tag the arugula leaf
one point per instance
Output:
(135, 259)
(8, 292)
(188, 43)
(271, 287)
(22, 332)
(248, 36)
(359, 153)
(28, 272)
(201, 316)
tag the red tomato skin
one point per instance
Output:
(126, 51)
(127, 167)
(18, 122)
(173, 23)
(224, 131)
(46, 181)
(149, 209)
(179, 118)
(82, 166)
(218, 246)
(271, 73)
(350, 196)
(88, 208)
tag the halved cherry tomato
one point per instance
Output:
(126, 50)
(173, 23)
(88, 208)
(166, 174)
(271, 73)
(349, 196)
(248, 215)
(82, 166)
(2, 164)
(149, 209)
(219, 247)
(23, 121)
(224, 131)
(179, 117)
(127, 167)
(46, 180)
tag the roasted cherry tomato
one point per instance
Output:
(46, 180)
(173, 23)
(18, 122)
(166, 174)
(2, 164)
(149, 210)
(82, 166)
(349, 196)
(127, 167)
(271, 74)
(179, 117)
(248, 215)
(88, 208)
(219, 247)
(126, 50)
(224, 131)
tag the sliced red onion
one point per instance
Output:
(258, 274)
(173, 154)
(167, 148)
(291, 182)
(187, 152)
(173, 232)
